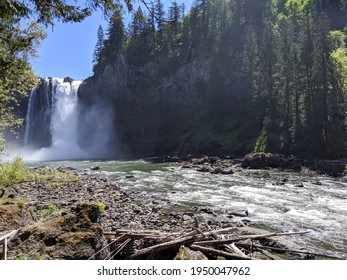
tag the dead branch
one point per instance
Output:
(232, 248)
(284, 250)
(245, 237)
(218, 252)
(163, 246)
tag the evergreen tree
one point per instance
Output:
(269, 68)
(99, 45)
(116, 36)
(285, 84)
(328, 106)
(159, 13)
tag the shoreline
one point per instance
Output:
(47, 220)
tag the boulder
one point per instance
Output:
(261, 160)
(334, 168)
(74, 235)
(97, 167)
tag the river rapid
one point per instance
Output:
(277, 201)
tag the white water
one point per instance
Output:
(29, 115)
(63, 127)
(320, 208)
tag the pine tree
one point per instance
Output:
(328, 106)
(99, 45)
(116, 36)
(285, 81)
(269, 69)
(160, 21)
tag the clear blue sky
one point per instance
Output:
(68, 49)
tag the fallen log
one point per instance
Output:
(284, 250)
(108, 245)
(163, 246)
(118, 249)
(218, 252)
(245, 237)
(233, 248)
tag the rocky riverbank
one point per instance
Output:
(227, 164)
(75, 221)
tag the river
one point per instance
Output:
(279, 201)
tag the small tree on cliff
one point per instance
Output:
(99, 45)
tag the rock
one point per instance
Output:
(334, 168)
(186, 217)
(301, 185)
(242, 213)
(75, 235)
(97, 167)
(185, 253)
(207, 210)
(227, 171)
(68, 80)
(261, 160)
(205, 168)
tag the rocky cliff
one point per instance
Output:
(154, 110)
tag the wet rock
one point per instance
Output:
(260, 160)
(95, 168)
(227, 171)
(241, 213)
(300, 185)
(186, 217)
(206, 210)
(334, 168)
(205, 169)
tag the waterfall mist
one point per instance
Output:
(56, 128)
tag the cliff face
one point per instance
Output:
(153, 112)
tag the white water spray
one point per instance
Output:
(60, 105)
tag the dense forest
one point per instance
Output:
(275, 76)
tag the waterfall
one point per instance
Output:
(51, 122)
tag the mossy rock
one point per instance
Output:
(76, 235)
(12, 214)
(261, 160)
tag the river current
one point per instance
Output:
(278, 201)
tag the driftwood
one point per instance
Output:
(252, 237)
(218, 252)
(302, 252)
(233, 248)
(3, 243)
(225, 242)
(163, 246)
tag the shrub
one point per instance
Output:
(101, 206)
(13, 173)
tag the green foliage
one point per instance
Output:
(49, 210)
(340, 56)
(52, 177)
(101, 206)
(21, 203)
(277, 60)
(260, 145)
(17, 172)
(13, 173)
(19, 42)
(22, 257)
(17, 45)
